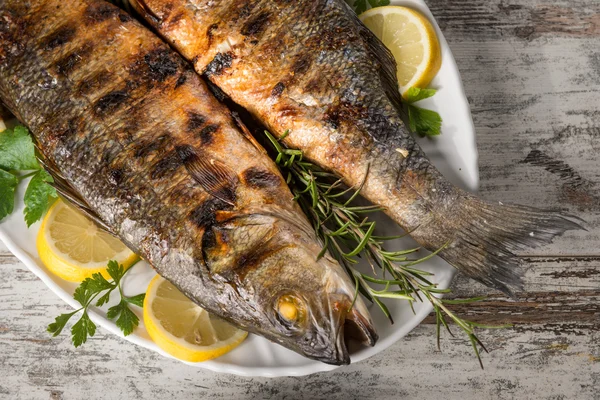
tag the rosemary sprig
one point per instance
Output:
(345, 229)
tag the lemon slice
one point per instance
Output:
(412, 40)
(72, 247)
(183, 329)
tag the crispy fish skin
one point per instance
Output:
(311, 67)
(133, 136)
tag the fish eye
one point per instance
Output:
(291, 309)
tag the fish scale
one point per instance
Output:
(311, 72)
(136, 140)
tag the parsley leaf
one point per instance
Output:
(127, 319)
(424, 122)
(83, 294)
(82, 329)
(97, 283)
(416, 94)
(420, 120)
(104, 299)
(17, 152)
(38, 196)
(8, 185)
(59, 323)
(137, 300)
(115, 271)
(87, 292)
(360, 6)
(379, 3)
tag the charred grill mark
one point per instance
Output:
(278, 89)
(99, 11)
(147, 147)
(67, 64)
(110, 102)
(62, 132)
(341, 112)
(181, 80)
(287, 110)
(167, 166)
(63, 35)
(219, 64)
(313, 85)
(176, 18)
(245, 11)
(210, 32)
(256, 25)
(251, 260)
(94, 82)
(247, 263)
(195, 121)
(162, 64)
(301, 65)
(206, 134)
(260, 178)
(204, 216)
(124, 18)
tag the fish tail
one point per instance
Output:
(489, 236)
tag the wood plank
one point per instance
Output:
(519, 19)
(535, 108)
(531, 70)
(528, 361)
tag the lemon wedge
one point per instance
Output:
(183, 329)
(72, 247)
(412, 40)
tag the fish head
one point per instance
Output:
(302, 301)
(315, 308)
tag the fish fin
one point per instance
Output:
(216, 178)
(246, 132)
(70, 195)
(145, 11)
(486, 243)
(387, 72)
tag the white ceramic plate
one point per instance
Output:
(454, 153)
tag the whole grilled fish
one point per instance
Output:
(134, 138)
(311, 68)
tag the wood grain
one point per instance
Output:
(531, 70)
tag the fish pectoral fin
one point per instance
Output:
(216, 178)
(70, 195)
(246, 132)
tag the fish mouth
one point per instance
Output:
(354, 326)
(359, 327)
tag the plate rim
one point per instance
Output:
(269, 372)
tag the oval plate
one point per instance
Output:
(454, 153)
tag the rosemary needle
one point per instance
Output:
(346, 231)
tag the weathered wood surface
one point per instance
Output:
(531, 70)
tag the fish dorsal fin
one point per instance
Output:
(387, 72)
(247, 134)
(216, 178)
(68, 193)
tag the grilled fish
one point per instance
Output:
(311, 68)
(134, 138)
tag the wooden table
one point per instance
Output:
(531, 70)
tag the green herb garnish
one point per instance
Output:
(360, 6)
(421, 121)
(17, 162)
(86, 295)
(346, 231)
